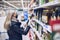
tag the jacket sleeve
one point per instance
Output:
(20, 30)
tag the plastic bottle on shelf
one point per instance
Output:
(57, 0)
(54, 15)
(46, 1)
(51, 0)
(41, 2)
(58, 17)
(58, 13)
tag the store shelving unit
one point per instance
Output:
(46, 5)
(49, 4)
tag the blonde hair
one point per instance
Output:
(7, 21)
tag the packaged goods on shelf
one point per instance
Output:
(57, 0)
(46, 1)
(41, 2)
(51, 0)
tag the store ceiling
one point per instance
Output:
(16, 3)
(12, 0)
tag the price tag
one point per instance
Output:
(48, 28)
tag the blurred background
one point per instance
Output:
(47, 15)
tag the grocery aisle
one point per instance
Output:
(43, 17)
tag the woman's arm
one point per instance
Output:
(20, 30)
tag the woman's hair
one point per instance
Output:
(7, 21)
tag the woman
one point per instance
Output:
(15, 32)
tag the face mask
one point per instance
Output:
(16, 16)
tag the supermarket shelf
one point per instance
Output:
(47, 27)
(50, 4)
